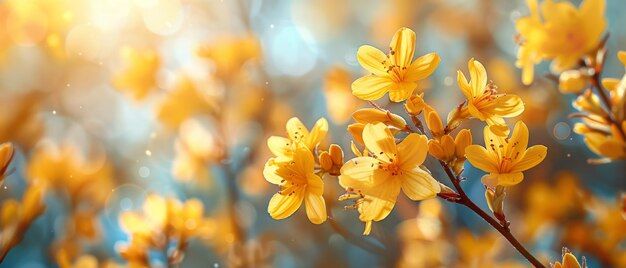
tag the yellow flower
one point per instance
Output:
(484, 102)
(569, 261)
(283, 148)
(609, 144)
(185, 100)
(6, 156)
(378, 178)
(230, 53)
(565, 35)
(338, 95)
(505, 158)
(298, 183)
(196, 147)
(395, 72)
(139, 77)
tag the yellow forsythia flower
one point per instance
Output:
(415, 104)
(298, 183)
(139, 77)
(505, 158)
(378, 178)
(395, 72)
(283, 148)
(484, 102)
(562, 33)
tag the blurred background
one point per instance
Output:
(110, 101)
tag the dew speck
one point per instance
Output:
(272, 26)
(148, 153)
(54, 111)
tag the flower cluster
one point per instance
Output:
(166, 225)
(393, 153)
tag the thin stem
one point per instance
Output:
(463, 199)
(502, 229)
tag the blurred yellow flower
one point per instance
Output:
(196, 148)
(185, 100)
(572, 81)
(283, 148)
(139, 76)
(378, 178)
(484, 102)
(230, 53)
(505, 158)
(562, 33)
(16, 217)
(297, 182)
(163, 220)
(395, 72)
(603, 129)
(339, 100)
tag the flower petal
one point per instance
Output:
(318, 132)
(417, 184)
(281, 147)
(478, 76)
(412, 151)
(379, 140)
(402, 47)
(480, 158)
(401, 91)
(359, 172)
(510, 179)
(422, 67)
(377, 207)
(533, 156)
(372, 59)
(315, 208)
(282, 206)
(371, 87)
(296, 130)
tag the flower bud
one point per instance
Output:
(356, 130)
(415, 104)
(373, 115)
(326, 162)
(572, 81)
(495, 200)
(462, 140)
(433, 121)
(443, 150)
(457, 116)
(336, 154)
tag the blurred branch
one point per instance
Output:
(356, 240)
